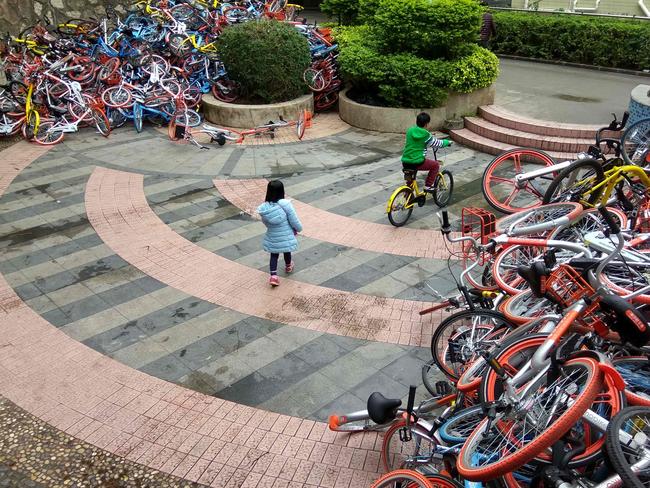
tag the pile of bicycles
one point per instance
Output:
(154, 66)
(546, 359)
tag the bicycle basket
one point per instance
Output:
(566, 286)
(478, 223)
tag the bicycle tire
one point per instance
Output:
(406, 195)
(624, 279)
(445, 355)
(178, 46)
(524, 307)
(635, 370)
(503, 162)
(395, 452)
(117, 97)
(46, 136)
(441, 481)
(301, 125)
(457, 429)
(635, 143)
(539, 219)
(566, 176)
(314, 79)
(137, 117)
(590, 220)
(441, 198)
(506, 264)
(535, 444)
(101, 122)
(398, 478)
(108, 69)
(621, 458)
(226, 90)
(519, 352)
(31, 125)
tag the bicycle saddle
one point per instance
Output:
(533, 275)
(630, 324)
(382, 409)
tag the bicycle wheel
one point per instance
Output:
(117, 97)
(31, 125)
(178, 46)
(635, 370)
(635, 143)
(402, 478)
(540, 219)
(576, 183)
(116, 117)
(108, 69)
(226, 90)
(431, 375)
(399, 454)
(301, 125)
(48, 134)
(524, 306)
(443, 188)
(518, 353)
(314, 79)
(325, 100)
(401, 207)
(627, 443)
(459, 338)
(499, 185)
(137, 117)
(624, 279)
(590, 220)
(507, 263)
(457, 429)
(101, 122)
(505, 443)
(188, 118)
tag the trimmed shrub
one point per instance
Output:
(345, 11)
(477, 69)
(412, 76)
(598, 41)
(427, 28)
(267, 58)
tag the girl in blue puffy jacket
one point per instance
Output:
(282, 225)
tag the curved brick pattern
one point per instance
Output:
(338, 229)
(118, 210)
(151, 421)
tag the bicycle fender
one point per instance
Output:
(392, 197)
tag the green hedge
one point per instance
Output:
(598, 41)
(267, 58)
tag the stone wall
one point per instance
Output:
(15, 15)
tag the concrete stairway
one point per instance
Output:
(495, 130)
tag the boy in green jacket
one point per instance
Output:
(418, 140)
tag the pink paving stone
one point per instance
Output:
(197, 470)
(210, 473)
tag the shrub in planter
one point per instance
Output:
(417, 74)
(267, 58)
(600, 41)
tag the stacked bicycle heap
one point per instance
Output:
(154, 65)
(546, 355)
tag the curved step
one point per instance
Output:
(516, 138)
(490, 146)
(500, 116)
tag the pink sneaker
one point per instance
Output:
(289, 268)
(274, 280)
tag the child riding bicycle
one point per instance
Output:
(418, 140)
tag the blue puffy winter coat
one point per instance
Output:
(281, 220)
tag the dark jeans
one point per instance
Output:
(430, 165)
(274, 261)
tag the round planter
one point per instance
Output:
(386, 119)
(639, 104)
(247, 116)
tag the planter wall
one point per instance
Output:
(639, 104)
(386, 119)
(248, 116)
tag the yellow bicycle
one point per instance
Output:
(32, 117)
(587, 182)
(403, 200)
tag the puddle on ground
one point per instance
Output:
(70, 228)
(574, 98)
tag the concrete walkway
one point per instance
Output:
(563, 93)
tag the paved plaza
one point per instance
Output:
(138, 321)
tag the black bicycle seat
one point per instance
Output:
(533, 275)
(381, 409)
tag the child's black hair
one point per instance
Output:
(274, 191)
(422, 119)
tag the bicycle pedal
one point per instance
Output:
(405, 434)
